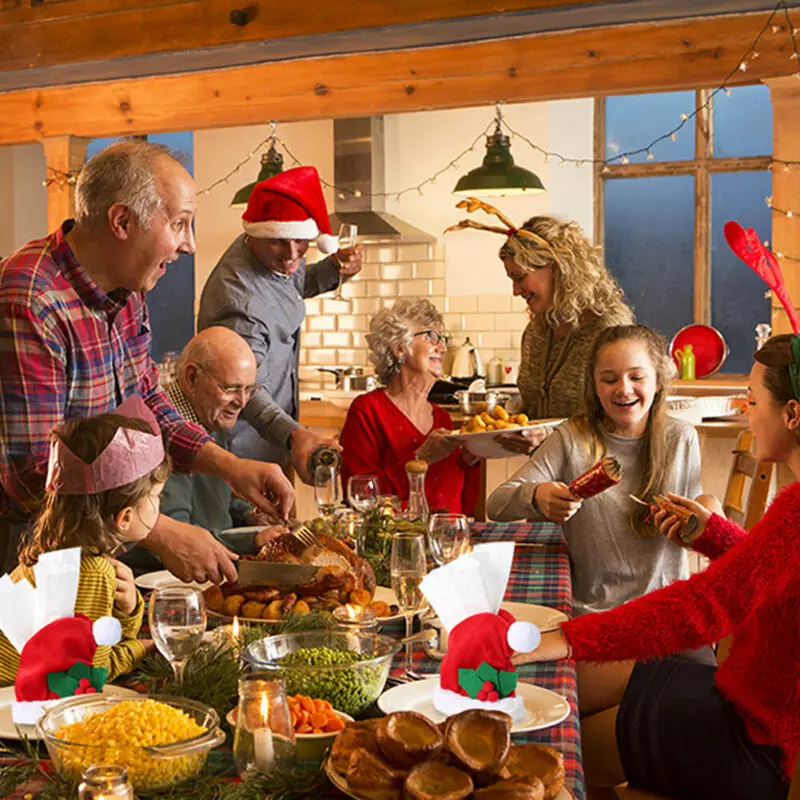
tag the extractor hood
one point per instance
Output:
(358, 172)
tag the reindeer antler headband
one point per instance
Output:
(473, 204)
(747, 245)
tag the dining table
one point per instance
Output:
(540, 574)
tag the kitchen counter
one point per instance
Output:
(715, 385)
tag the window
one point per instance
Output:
(660, 217)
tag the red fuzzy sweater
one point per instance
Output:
(751, 589)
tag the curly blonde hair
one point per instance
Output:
(580, 281)
(390, 332)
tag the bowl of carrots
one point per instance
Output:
(316, 725)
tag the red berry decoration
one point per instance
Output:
(91, 690)
(488, 686)
(482, 694)
(493, 696)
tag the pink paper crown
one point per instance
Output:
(129, 456)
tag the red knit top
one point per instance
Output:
(378, 438)
(750, 589)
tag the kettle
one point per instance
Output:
(466, 361)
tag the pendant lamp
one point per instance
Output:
(271, 164)
(498, 175)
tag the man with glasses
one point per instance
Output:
(215, 378)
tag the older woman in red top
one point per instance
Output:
(388, 427)
(686, 729)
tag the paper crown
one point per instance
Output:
(56, 646)
(129, 455)
(290, 205)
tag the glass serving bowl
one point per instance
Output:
(149, 767)
(349, 688)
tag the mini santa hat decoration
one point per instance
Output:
(466, 594)
(290, 205)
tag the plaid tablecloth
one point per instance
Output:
(539, 575)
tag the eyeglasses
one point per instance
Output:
(231, 391)
(434, 337)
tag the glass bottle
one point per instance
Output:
(417, 502)
(105, 782)
(264, 737)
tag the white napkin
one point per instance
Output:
(17, 611)
(57, 574)
(495, 559)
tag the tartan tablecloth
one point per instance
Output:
(539, 575)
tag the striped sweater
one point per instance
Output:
(95, 599)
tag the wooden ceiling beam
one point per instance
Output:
(625, 59)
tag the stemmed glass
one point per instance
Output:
(408, 570)
(363, 492)
(347, 241)
(177, 616)
(448, 537)
(327, 493)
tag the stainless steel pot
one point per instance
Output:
(478, 402)
(351, 379)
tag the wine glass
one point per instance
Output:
(347, 241)
(177, 616)
(327, 493)
(448, 537)
(408, 570)
(363, 492)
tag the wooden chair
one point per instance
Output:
(745, 508)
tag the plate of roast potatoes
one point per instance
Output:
(468, 755)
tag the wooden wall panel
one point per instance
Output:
(636, 58)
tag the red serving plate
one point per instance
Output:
(709, 345)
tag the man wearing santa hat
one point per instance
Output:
(257, 289)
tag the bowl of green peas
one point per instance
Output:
(347, 669)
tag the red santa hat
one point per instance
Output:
(290, 205)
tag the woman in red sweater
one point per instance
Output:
(690, 730)
(388, 427)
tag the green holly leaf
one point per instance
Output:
(507, 683)
(61, 684)
(486, 672)
(99, 677)
(470, 682)
(79, 671)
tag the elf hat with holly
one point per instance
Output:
(290, 205)
(57, 647)
(477, 671)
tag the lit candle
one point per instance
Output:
(358, 619)
(262, 740)
(235, 636)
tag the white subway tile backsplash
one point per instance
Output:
(414, 288)
(360, 340)
(321, 323)
(365, 305)
(429, 269)
(382, 289)
(495, 303)
(436, 287)
(396, 272)
(311, 340)
(336, 339)
(497, 339)
(480, 322)
(454, 322)
(322, 357)
(462, 305)
(313, 306)
(352, 322)
(354, 288)
(413, 252)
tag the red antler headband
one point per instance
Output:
(129, 455)
(747, 245)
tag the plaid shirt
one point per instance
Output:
(67, 350)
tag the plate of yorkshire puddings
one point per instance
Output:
(405, 755)
(482, 434)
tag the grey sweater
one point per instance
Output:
(611, 563)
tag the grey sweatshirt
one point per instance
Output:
(611, 563)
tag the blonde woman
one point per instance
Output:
(390, 426)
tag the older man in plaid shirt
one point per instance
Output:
(75, 341)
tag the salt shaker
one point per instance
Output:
(105, 782)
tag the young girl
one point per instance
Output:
(691, 730)
(614, 547)
(103, 485)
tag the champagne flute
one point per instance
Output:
(177, 616)
(363, 492)
(347, 241)
(408, 570)
(327, 494)
(448, 537)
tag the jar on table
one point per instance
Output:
(105, 782)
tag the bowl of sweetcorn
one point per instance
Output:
(161, 740)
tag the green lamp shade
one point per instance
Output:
(271, 164)
(498, 175)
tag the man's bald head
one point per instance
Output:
(217, 373)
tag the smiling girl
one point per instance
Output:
(616, 553)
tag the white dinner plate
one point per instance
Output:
(341, 784)
(381, 593)
(152, 579)
(543, 708)
(8, 730)
(486, 444)
(544, 618)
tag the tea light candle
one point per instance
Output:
(357, 619)
(264, 750)
(228, 636)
